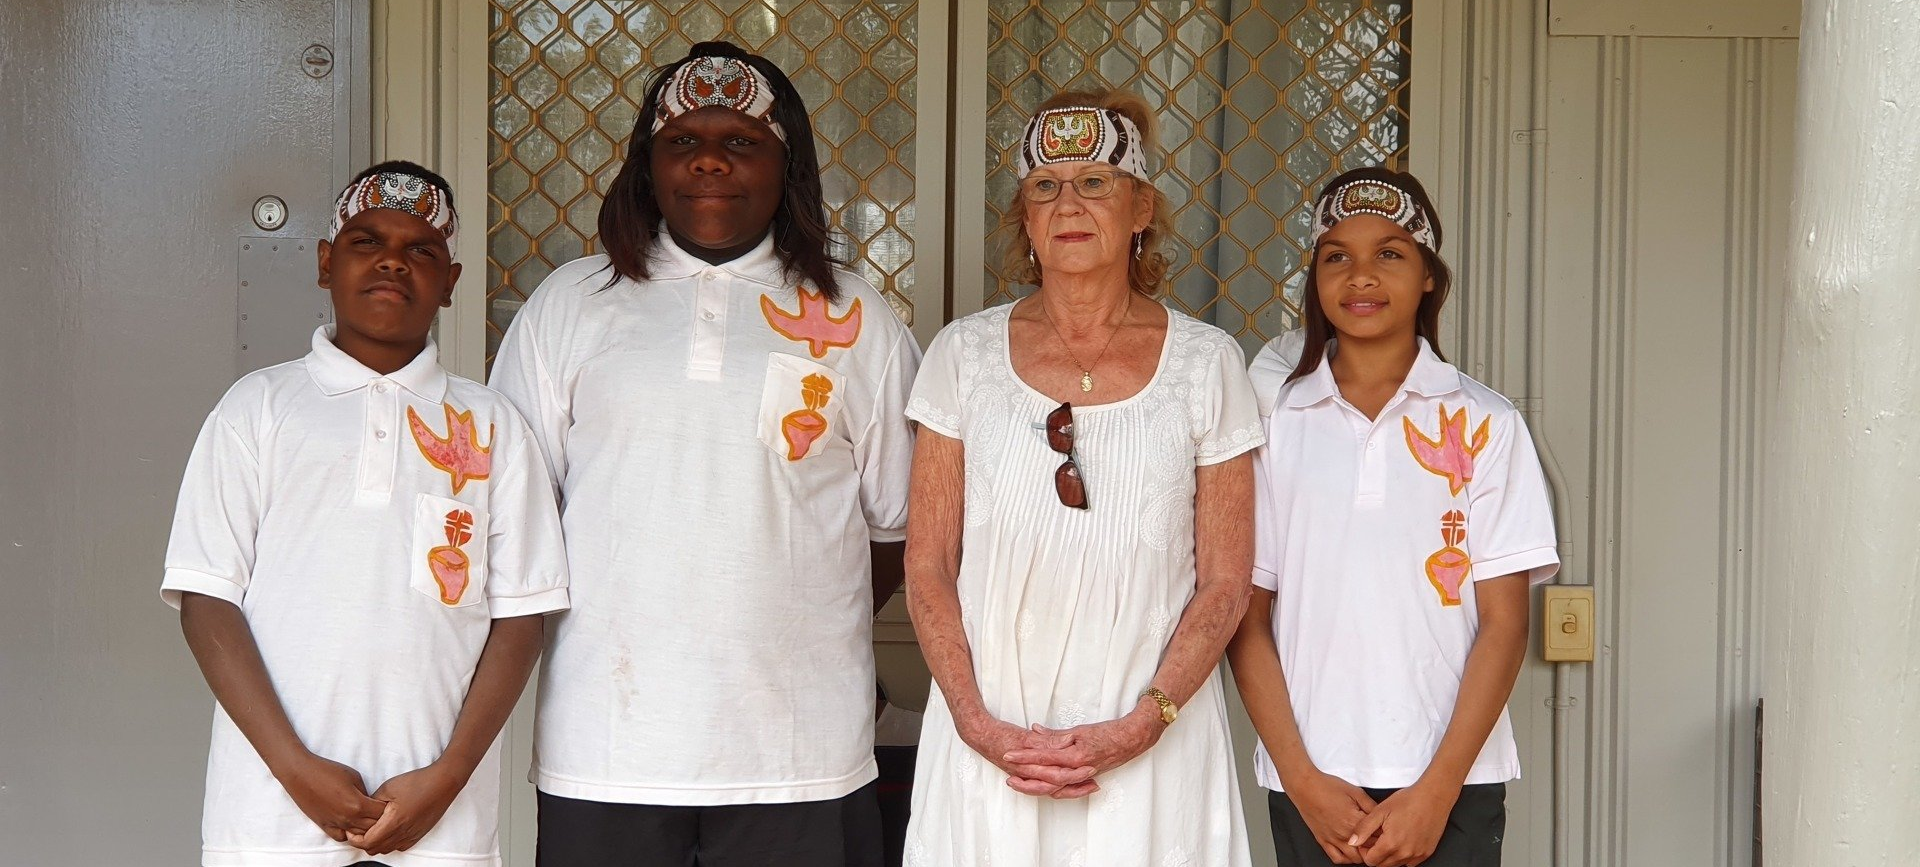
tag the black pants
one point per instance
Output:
(844, 832)
(1472, 838)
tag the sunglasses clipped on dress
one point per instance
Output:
(1066, 480)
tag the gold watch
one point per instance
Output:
(1168, 710)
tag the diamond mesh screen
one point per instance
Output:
(1259, 105)
(568, 79)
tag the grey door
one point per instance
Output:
(134, 139)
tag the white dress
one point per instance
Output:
(1068, 612)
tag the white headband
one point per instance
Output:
(1379, 198)
(400, 192)
(1082, 133)
(727, 82)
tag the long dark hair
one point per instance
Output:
(1426, 320)
(630, 217)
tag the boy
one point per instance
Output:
(364, 551)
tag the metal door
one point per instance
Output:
(136, 138)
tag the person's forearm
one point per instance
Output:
(513, 646)
(1492, 667)
(933, 602)
(1262, 682)
(1223, 557)
(889, 571)
(223, 645)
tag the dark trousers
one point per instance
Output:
(844, 832)
(1472, 838)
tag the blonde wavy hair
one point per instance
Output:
(1146, 274)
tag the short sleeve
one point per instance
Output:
(1272, 365)
(216, 519)
(523, 371)
(1511, 516)
(1267, 537)
(526, 554)
(883, 448)
(935, 400)
(1227, 420)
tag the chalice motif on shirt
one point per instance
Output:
(802, 427)
(1449, 455)
(448, 563)
(1448, 567)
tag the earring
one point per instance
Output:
(1033, 261)
(1136, 245)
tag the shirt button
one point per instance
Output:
(379, 434)
(707, 315)
(380, 387)
(1372, 446)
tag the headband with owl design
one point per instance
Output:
(728, 82)
(398, 191)
(1379, 198)
(1081, 133)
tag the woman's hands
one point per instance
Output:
(1063, 763)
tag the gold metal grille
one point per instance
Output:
(567, 80)
(1259, 105)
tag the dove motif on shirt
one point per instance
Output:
(815, 324)
(459, 454)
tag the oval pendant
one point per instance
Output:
(1086, 380)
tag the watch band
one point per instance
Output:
(1168, 710)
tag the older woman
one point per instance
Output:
(1079, 548)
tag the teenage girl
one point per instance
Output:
(1400, 515)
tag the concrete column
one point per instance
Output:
(1841, 763)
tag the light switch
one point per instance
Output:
(1568, 630)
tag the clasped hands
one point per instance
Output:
(1399, 831)
(1063, 763)
(391, 819)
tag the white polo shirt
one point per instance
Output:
(725, 446)
(1372, 533)
(370, 528)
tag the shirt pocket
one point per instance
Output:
(799, 406)
(449, 551)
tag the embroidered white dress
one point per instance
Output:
(1068, 612)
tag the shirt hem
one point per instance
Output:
(1231, 452)
(178, 581)
(706, 796)
(543, 602)
(936, 427)
(875, 534)
(1543, 563)
(340, 857)
(1398, 778)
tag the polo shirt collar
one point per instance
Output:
(1430, 377)
(759, 265)
(338, 373)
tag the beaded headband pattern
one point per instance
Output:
(1378, 198)
(1081, 133)
(397, 191)
(728, 82)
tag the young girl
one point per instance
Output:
(1400, 515)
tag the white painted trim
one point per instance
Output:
(430, 105)
(931, 207)
(969, 161)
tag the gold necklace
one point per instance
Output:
(1086, 370)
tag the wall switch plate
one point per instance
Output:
(1567, 629)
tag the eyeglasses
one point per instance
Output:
(1066, 480)
(1092, 185)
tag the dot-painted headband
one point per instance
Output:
(1082, 133)
(728, 82)
(1379, 198)
(398, 191)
